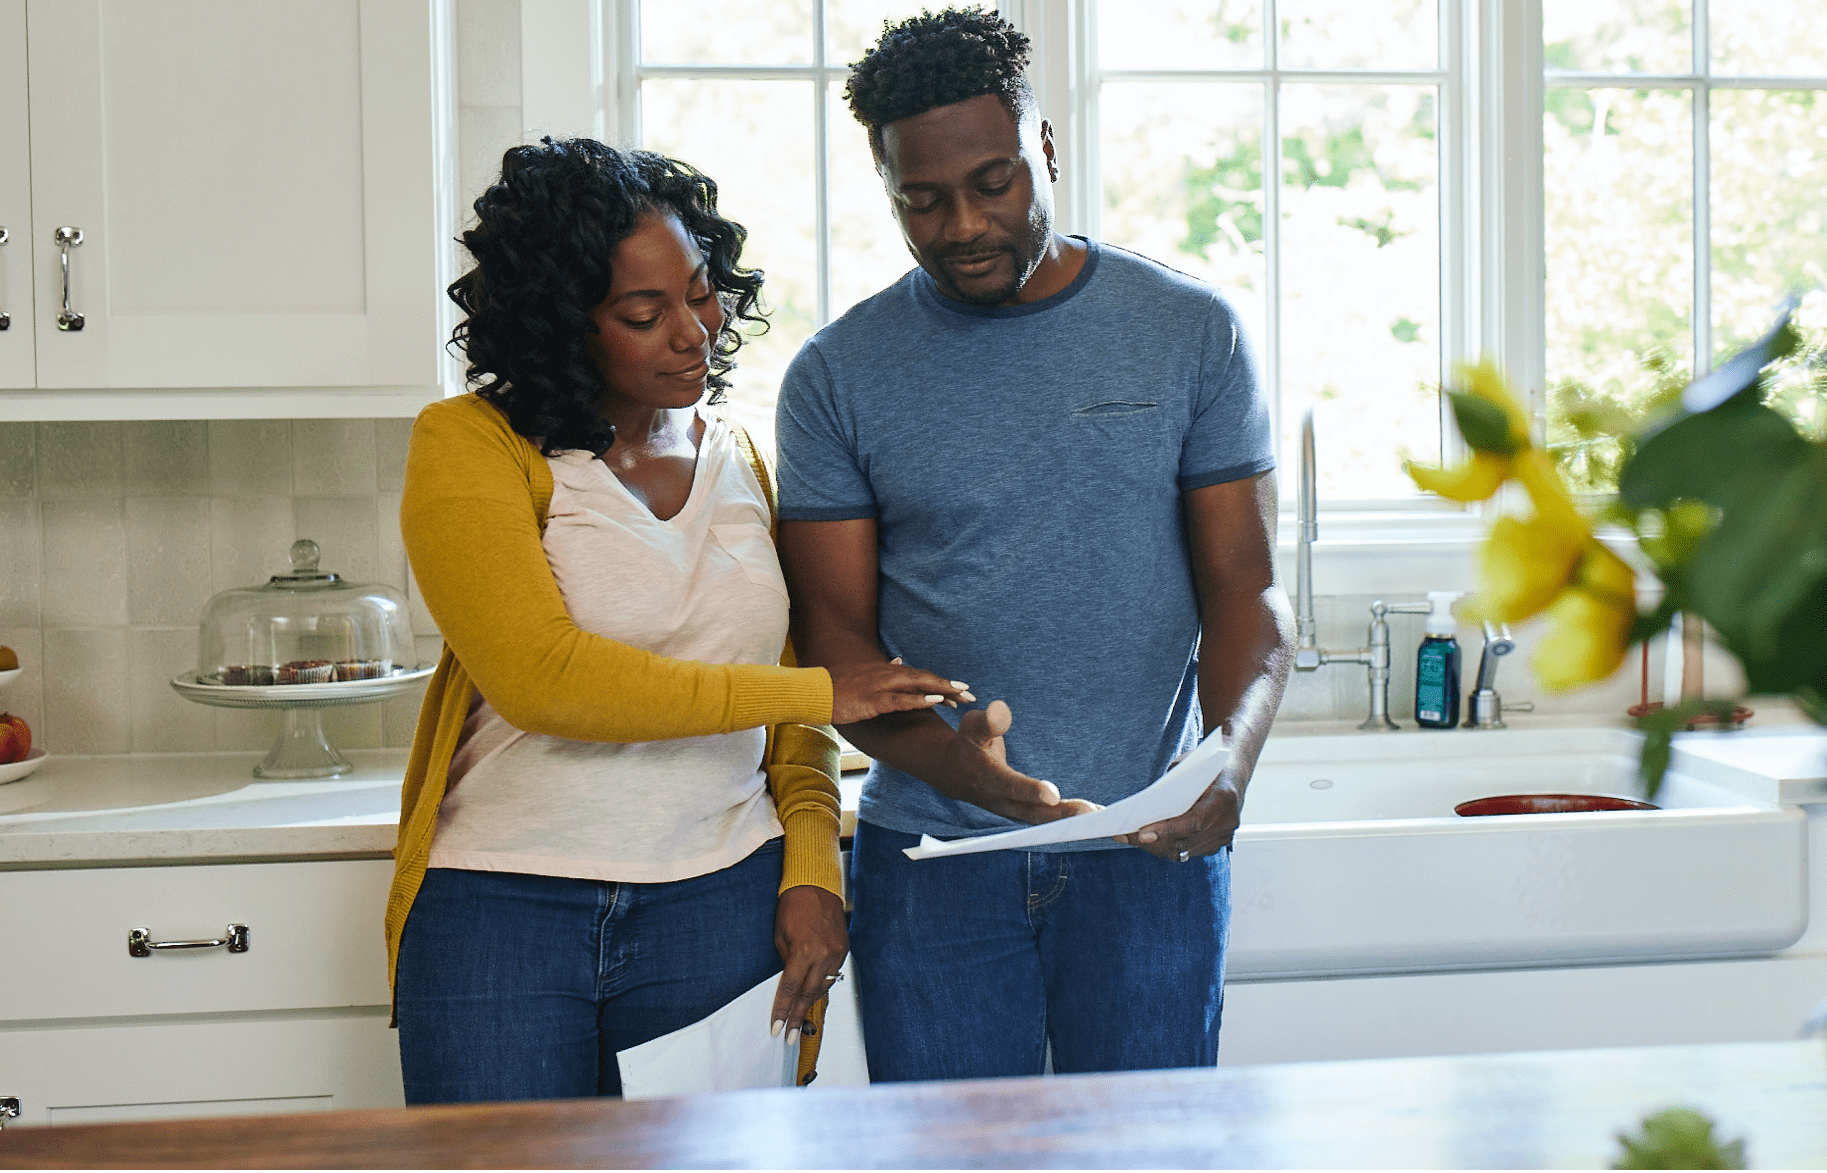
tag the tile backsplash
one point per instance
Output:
(114, 535)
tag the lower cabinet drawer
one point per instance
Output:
(314, 939)
(164, 1071)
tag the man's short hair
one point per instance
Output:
(937, 59)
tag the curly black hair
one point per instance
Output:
(936, 59)
(544, 236)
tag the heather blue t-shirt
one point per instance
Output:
(1025, 465)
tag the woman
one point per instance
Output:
(620, 811)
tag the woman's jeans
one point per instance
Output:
(968, 966)
(522, 987)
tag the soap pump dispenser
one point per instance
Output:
(1437, 665)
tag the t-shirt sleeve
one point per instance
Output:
(821, 474)
(1230, 438)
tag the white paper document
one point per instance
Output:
(1168, 796)
(730, 1049)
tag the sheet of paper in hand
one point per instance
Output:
(728, 1050)
(1172, 794)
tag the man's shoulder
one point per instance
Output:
(1123, 267)
(891, 308)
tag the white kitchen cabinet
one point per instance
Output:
(261, 192)
(298, 1022)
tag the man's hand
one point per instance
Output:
(810, 934)
(1205, 828)
(975, 768)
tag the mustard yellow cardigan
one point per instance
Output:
(473, 514)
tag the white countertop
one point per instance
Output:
(175, 808)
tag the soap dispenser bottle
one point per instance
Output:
(1437, 666)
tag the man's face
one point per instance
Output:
(970, 188)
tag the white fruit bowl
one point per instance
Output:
(13, 771)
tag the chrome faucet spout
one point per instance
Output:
(1487, 707)
(1306, 653)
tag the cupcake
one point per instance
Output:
(358, 669)
(306, 672)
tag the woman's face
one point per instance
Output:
(656, 328)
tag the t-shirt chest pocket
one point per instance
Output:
(753, 551)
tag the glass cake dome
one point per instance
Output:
(306, 627)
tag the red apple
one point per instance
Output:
(15, 739)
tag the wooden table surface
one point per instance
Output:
(1518, 1111)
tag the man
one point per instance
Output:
(1042, 467)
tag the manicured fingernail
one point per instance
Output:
(774, 1031)
(933, 698)
(1052, 795)
(896, 660)
(967, 698)
(792, 1036)
(1148, 836)
(961, 686)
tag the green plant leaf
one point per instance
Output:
(1483, 424)
(1659, 727)
(1766, 557)
(1706, 457)
(1678, 1138)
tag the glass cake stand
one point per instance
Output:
(301, 750)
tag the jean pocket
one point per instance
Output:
(753, 550)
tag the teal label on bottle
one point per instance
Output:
(1433, 673)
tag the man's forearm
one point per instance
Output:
(1245, 655)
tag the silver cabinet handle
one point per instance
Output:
(141, 944)
(67, 239)
(6, 319)
(9, 1105)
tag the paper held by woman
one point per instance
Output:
(1168, 796)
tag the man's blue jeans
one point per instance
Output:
(522, 987)
(968, 966)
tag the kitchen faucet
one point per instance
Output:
(1487, 707)
(1308, 655)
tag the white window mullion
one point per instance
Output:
(1460, 256)
(1512, 300)
(1270, 346)
(1702, 107)
(821, 167)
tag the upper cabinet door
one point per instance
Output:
(256, 188)
(16, 317)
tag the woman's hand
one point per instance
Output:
(862, 691)
(810, 932)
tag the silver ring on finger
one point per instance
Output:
(834, 977)
(1183, 856)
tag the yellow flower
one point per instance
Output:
(1523, 565)
(1483, 380)
(1474, 480)
(1553, 504)
(1589, 625)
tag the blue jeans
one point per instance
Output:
(522, 987)
(968, 966)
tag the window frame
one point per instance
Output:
(1491, 249)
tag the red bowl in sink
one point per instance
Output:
(1549, 804)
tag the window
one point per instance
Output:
(1685, 160)
(1379, 185)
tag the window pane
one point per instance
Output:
(1183, 183)
(1180, 34)
(867, 253)
(1618, 220)
(1359, 34)
(1360, 272)
(1770, 37)
(852, 27)
(674, 32)
(755, 139)
(1618, 36)
(1769, 221)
